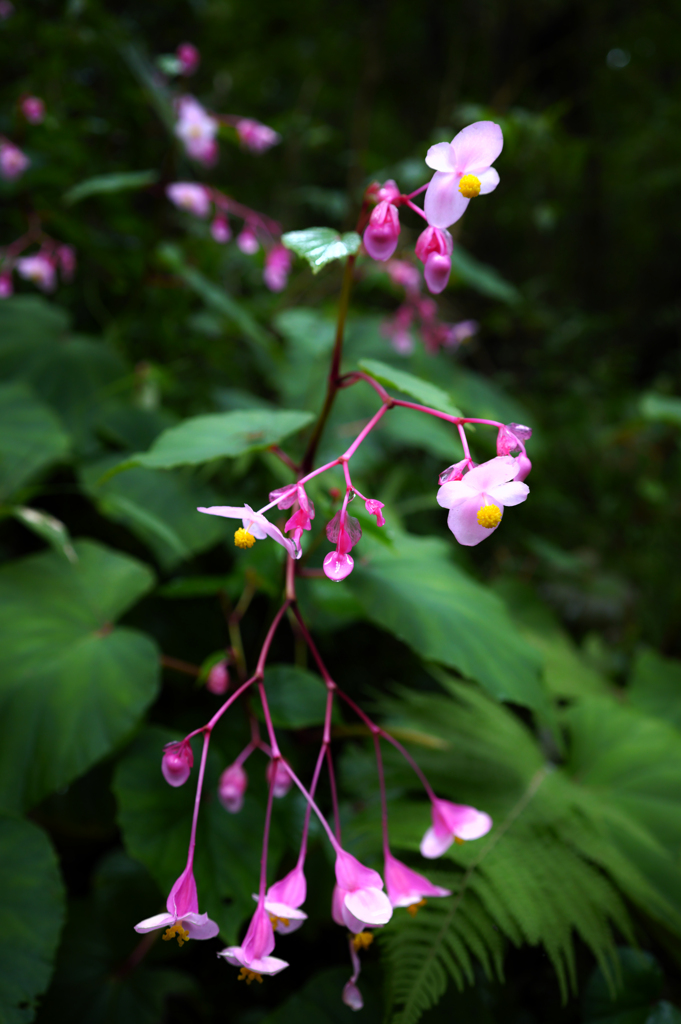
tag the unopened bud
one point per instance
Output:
(6, 285)
(177, 763)
(436, 272)
(382, 232)
(232, 788)
(510, 437)
(352, 996)
(247, 240)
(278, 777)
(189, 58)
(337, 566)
(33, 109)
(220, 229)
(218, 678)
(524, 467)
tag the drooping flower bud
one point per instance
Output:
(344, 531)
(277, 268)
(189, 58)
(66, 257)
(6, 284)
(177, 763)
(189, 196)
(338, 565)
(247, 240)
(232, 788)
(436, 272)
(33, 109)
(382, 231)
(434, 248)
(352, 996)
(220, 229)
(255, 136)
(13, 162)
(218, 678)
(524, 468)
(278, 777)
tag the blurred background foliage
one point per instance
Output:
(564, 626)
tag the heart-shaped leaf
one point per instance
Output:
(320, 246)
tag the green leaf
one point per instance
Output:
(319, 1002)
(159, 507)
(297, 698)
(214, 296)
(31, 917)
(72, 686)
(415, 592)
(30, 438)
(633, 1002)
(320, 246)
(482, 277)
(48, 528)
(156, 820)
(107, 183)
(219, 436)
(661, 408)
(655, 686)
(423, 391)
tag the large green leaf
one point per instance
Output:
(159, 507)
(482, 277)
(637, 999)
(320, 246)
(296, 697)
(30, 437)
(156, 820)
(29, 326)
(108, 183)
(423, 391)
(219, 435)
(415, 592)
(31, 917)
(661, 408)
(319, 1002)
(72, 686)
(655, 686)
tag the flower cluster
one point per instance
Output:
(41, 267)
(463, 170)
(417, 310)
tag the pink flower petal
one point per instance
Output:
(200, 926)
(460, 820)
(182, 899)
(405, 886)
(337, 903)
(441, 157)
(463, 522)
(292, 889)
(259, 939)
(444, 204)
(151, 924)
(496, 471)
(351, 874)
(512, 493)
(369, 906)
(477, 146)
(489, 180)
(433, 846)
(454, 492)
(284, 913)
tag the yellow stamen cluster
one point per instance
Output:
(275, 921)
(489, 516)
(249, 976)
(469, 186)
(362, 940)
(243, 539)
(414, 908)
(178, 932)
(459, 841)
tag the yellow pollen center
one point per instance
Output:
(276, 920)
(362, 940)
(489, 516)
(243, 539)
(469, 186)
(178, 932)
(249, 976)
(414, 908)
(459, 841)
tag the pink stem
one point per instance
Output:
(367, 430)
(244, 755)
(276, 754)
(313, 650)
(384, 802)
(416, 209)
(412, 195)
(334, 794)
(322, 469)
(464, 442)
(308, 809)
(197, 799)
(265, 844)
(354, 377)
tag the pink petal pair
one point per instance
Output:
(358, 898)
(407, 888)
(253, 955)
(450, 822)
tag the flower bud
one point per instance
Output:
(374, 507)
(247, 240)
(218, 678)
(6, 284)
(337, 566)
(277, 268)
(232, 788)
(189, 58)
(13, 162)
(33, 109)
(220, 229)
(189, 196)
(436, 272)
(278, 777)
(66, 257)
(255, 136)
(510, 437)
(352, 996)
(382, 232)
(177, 763)
(524, 467)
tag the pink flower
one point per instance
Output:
(450, 822)
(406, 888)
(524, 467)
(253, 955)
(374, 507)
(382, 231)
(39, 269)
(456, 333)
(404, 274)
(255, 527)
(183, 920)
(359, 900)
(6, 284)
(232, 788)
(247, 240)
(462, 171)
(283, 900)
(278, 777)
(434, 247)
(177, 763)
(189, 196)
(66, 257)
(197, 130)
(302, 518)
(218, 678)
(511, 438)
(344, 531)
(220, 229)
(255, 136)
(13, 162)
(189, 58)
(277, 268)
(33, 109)
(476, 503)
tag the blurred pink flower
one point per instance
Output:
(247, 240)
(182, 920)
(382, 231)
(189, 58)
(253, 955)
(277, 268)
(197, 130)
(218, 678)
(256, 137)
(177, 763)
(6, 284)
(476, 503)
(33, 109)
(359, 900)
(278, 777)
(66, 257)
(450, 822)
(220, 229)
(406, 888)
(13, 162)
(232, 788)
(189, 196)
(462, 171)
(39, 269)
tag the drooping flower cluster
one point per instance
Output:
(41, 267)
(422, 312)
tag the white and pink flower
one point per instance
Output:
(476, 502)
(189, 196)
(253, 955)
(406, 888)
(358, 898)
(183, 920)
(40, 269)
(255, 527)
(462, 171)
(453, 822)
